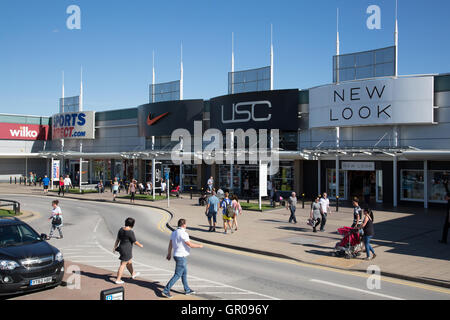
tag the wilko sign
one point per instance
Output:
(74, 125)
(13, 131)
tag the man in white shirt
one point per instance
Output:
(210, 184)
(181, 245)
(67, 183)
(324, 210)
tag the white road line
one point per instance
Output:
(356, 289)
(96, 226)
(207, 292)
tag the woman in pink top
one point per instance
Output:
(237, 210)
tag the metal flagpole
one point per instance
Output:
(181, 74)
(271, 57)
(62, 111)
(396, 38)
(338, 49)
(232, 62)
(81, 142)
(153, 79)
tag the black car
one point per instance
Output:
(27, 261)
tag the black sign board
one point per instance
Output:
(162, 118)
(257, 110)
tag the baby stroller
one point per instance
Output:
(350, 245)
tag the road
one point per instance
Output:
(90, 229)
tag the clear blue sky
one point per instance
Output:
(117, 38)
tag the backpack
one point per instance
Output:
(229, 210)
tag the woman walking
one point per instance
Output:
(61, 186)
(57, 220)
(315, 215)
(115, 188)
(124, 245)
(132, 190)
(237, 211)
(369, 232)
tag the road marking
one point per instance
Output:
(355, 289)
(98, 223)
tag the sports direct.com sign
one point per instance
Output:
(74, 125)
(15, 131)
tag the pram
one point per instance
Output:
(350, 245)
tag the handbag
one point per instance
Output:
(56, 220)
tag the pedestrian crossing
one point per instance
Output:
(93, 254)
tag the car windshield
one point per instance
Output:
(16, 235)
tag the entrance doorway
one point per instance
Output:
(362, 184)
(250, 173)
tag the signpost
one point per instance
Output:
(166, 177)
(262, 182)
(55, 171)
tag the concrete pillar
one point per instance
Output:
(425, 184)
(395, 182)
(337, 177)
(298, 177)
(319, 187)
(201, 175)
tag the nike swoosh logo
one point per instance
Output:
(156, 119)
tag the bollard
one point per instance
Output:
(10, 180)
(337, 203)
(191, 193)
(15, 180)
(303, 201)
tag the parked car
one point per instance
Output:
(27, 261)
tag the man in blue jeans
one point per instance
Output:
(181, 245)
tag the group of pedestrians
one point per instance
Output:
(231, 209)
(320, 208)
(179, 248)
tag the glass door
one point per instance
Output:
(379, 186)
(331, 184)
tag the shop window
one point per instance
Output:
(189, 177)
(412, 185)
(284, 179)
(436, 187)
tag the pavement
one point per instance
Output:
(406, 240)
(93, 280)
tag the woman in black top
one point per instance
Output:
(124, 245)
(369, 232)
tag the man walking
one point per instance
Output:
(211, 211)
(292, 205)
(210, 183)
(67, 183)
(181, 245)
(324, 210)
(45, 182)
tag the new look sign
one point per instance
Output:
(74, 125)
(372, 103)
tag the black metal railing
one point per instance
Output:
(14, 204)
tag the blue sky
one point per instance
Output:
(117, 38)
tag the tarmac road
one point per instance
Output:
(90, 230)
